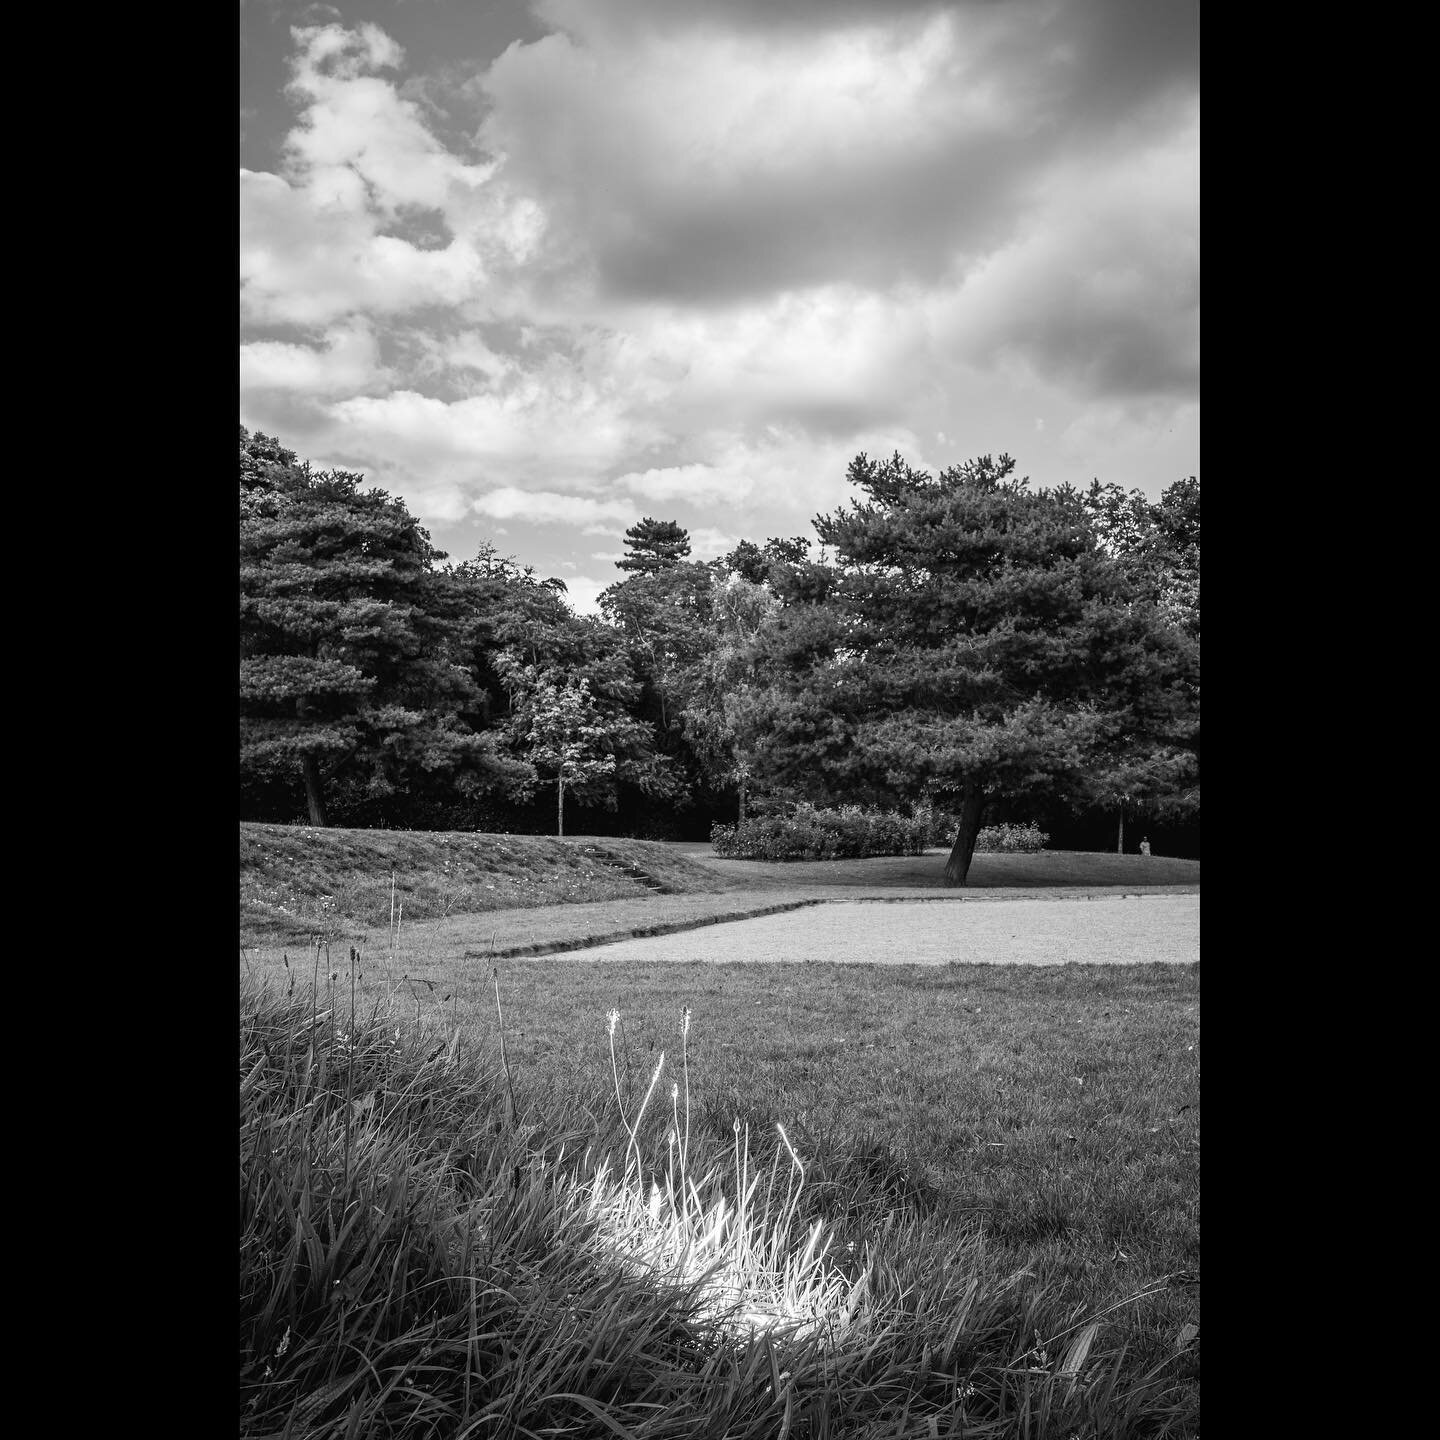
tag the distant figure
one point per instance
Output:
(1145, 847)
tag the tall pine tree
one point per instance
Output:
(346, 658)
(981, 645)
(654, 545)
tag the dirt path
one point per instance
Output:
(1126, 930)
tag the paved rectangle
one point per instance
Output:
(1109, 929)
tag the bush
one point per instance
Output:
(1011, 839)
(849, 833)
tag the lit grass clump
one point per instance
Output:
(738, 1256)
(420, 1258)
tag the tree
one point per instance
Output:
(980, 644)
(1159, 541)
(346, 637)
(755, 563)
(663, 614)
(573, 724)
(719, 679)
(654, 545)
(1159, 545)
(566, 735)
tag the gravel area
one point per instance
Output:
(1103, 929)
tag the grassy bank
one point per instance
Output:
(1004, 1164)
(297, 881)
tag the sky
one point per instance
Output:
(543, 267)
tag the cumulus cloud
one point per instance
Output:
(699, 160)
(697, 484)
(708, 543)
(371, 213)
(347, 360)
(1103, 295)
(696, 167)
(549, 507)
(693, 258)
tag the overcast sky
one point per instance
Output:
(542, 267)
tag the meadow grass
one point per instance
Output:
(441, 1236)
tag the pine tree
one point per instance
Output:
(980, 645)
(654, 545)
(346, 636)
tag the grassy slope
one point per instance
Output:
(295, 880)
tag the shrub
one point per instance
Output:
(1011, 839)
(848, 833)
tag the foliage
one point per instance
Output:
(664, 615)
(768, 563)
(1159, 541)
(347, 639)
(654, 545)
(808, 833)
(566, 736)
(574, 725)
(980, 644)
(1010, 839)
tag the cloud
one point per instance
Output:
(549, 507)
(1103, 297)
(702, 167)
(347, 360)
(690, 159)
(372, 212)
(582, 593)
(708, 543)
(696, 484)
(691, 259)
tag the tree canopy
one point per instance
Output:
(347, 652)
(654, 545)
(964, 640)
(979, 644)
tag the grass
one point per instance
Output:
(296, 881)
(532, 892)
(1049, 869)
(1003, 1163)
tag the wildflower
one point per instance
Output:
(685, 1021)
(613, 1017)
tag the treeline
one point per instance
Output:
(962, 642)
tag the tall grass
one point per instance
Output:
(427, 1250)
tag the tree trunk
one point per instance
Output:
(1120, 843)
(742, 799)
(314, 795)
(560, 806)
(963, 851)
